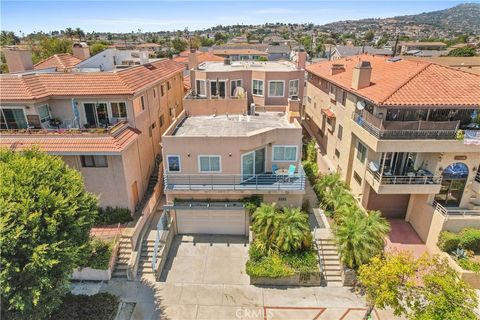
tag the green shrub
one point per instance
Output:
(302, 261)
(311, 170)
(270, 266)
(311, 151)
(109, 215)
(252, 203)
(448, 241)
(470, 239)
(469, 264)
(100, 306)
(100, 253)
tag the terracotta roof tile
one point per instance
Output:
(125, 82)
(71, 143)
(201, 57)
(406, 82)
(62, 62)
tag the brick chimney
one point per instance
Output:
(362, 74)
(336, 68)
(81, 50)
(18, 60)
(301, 59)
(192, 59)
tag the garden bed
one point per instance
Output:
(99, 264)
(100, 306)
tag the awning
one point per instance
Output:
(329, 113)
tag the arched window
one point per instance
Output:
(453, 183)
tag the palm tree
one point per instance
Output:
(265, 222)
(359, 237)
(69, 33)
(79, 33)
(294, 231)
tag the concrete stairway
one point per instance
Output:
(154, 177)
(146, 256)
(124, 253)
(330, 261)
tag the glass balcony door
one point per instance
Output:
(253, 163)
(12, 118)
(96, 114)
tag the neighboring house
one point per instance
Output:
(403, 134)
(216, 159)
(59, 62)
(406, 47)
(267, 84)
(114, 59)
(340, 52)
(107, 125)
(467, 64)
(237, 52)
(240, 54)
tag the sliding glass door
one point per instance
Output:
(96, 114)
(12, 118)
(253, 163)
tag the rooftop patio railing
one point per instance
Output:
(403, 130)
(73, 131)
(416, 179)
(446, 211)
(263, 181)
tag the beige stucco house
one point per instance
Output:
(404, 135)
(107, 125)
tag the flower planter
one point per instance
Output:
(308, 280)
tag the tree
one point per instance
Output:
(179, 44)
(293, 232)
(264, 224)
(462, 52)
(369, 35)
(79, 33)
(50, 46)
(359, 237)
(69, 33)
(423, 289)
(8, 38)
(97, 47)
(45, 222)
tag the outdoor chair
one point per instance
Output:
(291, 171)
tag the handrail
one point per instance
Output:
(477, 176)
(162, 226)
(405, 179)
(454, 212)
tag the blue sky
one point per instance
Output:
(126, 16)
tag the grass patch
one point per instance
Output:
(281, 264)
(101, 306)
(100, 253)
(109, 215)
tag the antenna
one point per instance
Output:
(395, 47)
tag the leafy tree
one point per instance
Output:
(293, 232)
(462, 52)
(45, 222)
(422, 289)
(206, 42)
(369, 35)
(332, 192)
(97, 47)
(264, 224)
(220, 38)
(79, 33)
(69, 32)
(359, 237)
(179, 44)
(50, 46)
(8, 38)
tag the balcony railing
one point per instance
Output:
(454, 211)
(263, 181)
(74, 131)
(398, 130)
(477, 176)
(408, 179)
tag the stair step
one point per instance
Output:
(331, 262)
(334, 278)
(121, 266)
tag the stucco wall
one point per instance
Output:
(196, 107)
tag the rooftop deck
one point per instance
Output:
(233, 125)
(283, 66)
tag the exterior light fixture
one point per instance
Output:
(188, 154)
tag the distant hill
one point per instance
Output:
(461, 19)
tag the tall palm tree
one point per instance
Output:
(294, 231)
(265, 222)
(79, 33)
(69, 33)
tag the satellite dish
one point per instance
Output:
(360, 105)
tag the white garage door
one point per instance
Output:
(211, 221)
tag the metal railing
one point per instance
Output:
(264, 181)
(162, 227)
(425, 179)
(444, 130)
(477, 176)
(454, 211)
(72, 131)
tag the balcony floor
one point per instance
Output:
(403, 237)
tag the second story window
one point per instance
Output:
(169, 86)
(173, 163)
(162, 90)
(293, 88)
(12, 118)
(257, 87)
(233, 85)
(361, 152)
(119, 109)
(344, 98)
(340, 132)
(161, 120)
(201, 88)
(142, 102)
(94, 161)
(285, 153)
(209, 164)
(276, 88)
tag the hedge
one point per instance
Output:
(100, 306)
(468, 239)
(110, 215)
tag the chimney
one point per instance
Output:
(192, 59)
(144, 57)
(362, 74)
(301, 59)
(18, 60)
(336, 68)
(81, 50)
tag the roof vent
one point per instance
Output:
(336, 68)
(394, 59)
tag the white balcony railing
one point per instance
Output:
(445, 211)
(414, 179)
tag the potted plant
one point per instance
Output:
(56, 122)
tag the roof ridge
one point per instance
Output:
(428, 64)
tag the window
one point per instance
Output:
(220, 91)
(94, 161)
(276, 88)
(172, 112)
(340, 132)
(361, 152)
(233, 85)
(337, 153)
(200, 87)
(154, 93)
(162, 90)
(357, 178)
(173, 163)
(309, 99)
(257, 87)
(284, 153)
(12, 118)
(293, 88)
(169, 86)
(119, 109)
(142, 102)
(44, 113)
(209, 164)
(344, 97)
(161, 120)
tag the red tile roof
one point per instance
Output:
(72, 143)
(62, 62)
(201, 57)
(406, 82)
(129, 81)
(186, 83)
